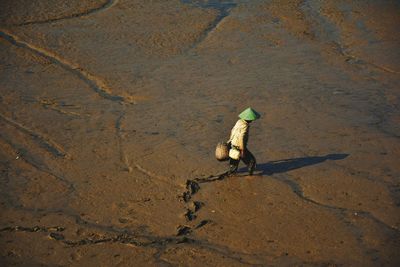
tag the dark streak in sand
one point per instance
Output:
(93, 82)
(107, 4)
(223, 8)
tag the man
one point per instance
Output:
(238, 141)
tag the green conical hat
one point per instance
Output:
(249, 114)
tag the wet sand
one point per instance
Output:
(111, 110)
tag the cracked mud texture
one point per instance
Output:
(110, 112)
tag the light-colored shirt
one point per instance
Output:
(240, 134)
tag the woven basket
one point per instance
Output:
(222, 151)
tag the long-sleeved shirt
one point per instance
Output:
(240, 134)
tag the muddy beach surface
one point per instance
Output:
(111, 110)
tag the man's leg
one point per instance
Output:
(233, 165)
(250, 161)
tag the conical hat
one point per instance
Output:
(249, 114)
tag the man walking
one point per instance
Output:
(238, 142)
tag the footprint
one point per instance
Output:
(190, 216)
(202, 223)
(186, 196)
(198, 205)
(192, 186)
(183, 230)
(57, 236)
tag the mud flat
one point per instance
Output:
(110, 111)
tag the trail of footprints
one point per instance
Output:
(192, 207)
(106, 234)
(128, 238)
(125, 238)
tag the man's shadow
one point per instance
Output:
(286, 165)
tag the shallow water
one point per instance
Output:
(222, 6)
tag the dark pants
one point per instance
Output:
(247, 158)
